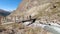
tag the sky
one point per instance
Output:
(9, 5)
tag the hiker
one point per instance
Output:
(30, 17)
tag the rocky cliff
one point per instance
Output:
(46, 10)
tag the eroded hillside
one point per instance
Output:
(45, 11)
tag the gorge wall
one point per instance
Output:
(45, 10)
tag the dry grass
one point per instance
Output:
(24, 29)
(31, 30)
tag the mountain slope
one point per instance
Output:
(4, 13)
(39, 9)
